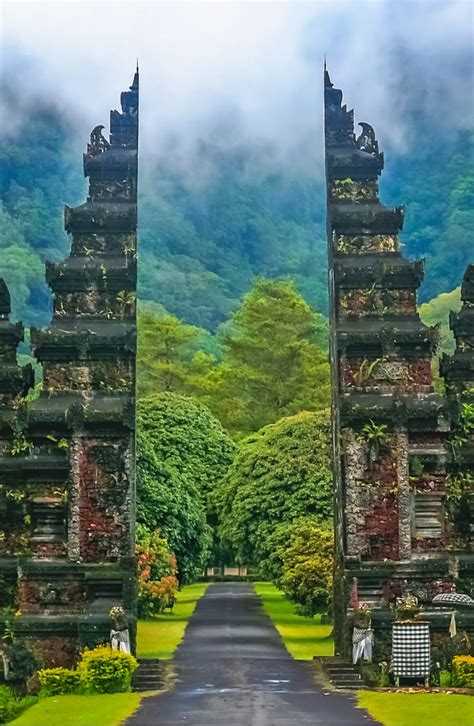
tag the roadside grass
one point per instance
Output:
(303, 637)
(418, 709)
(107, 710)
(159, 637)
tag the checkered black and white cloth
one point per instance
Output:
(411, 650)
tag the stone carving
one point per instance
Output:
(98, 143)
(367, 141)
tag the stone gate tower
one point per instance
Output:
(394, 534)
(67, 459)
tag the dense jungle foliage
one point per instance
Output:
(230, 212)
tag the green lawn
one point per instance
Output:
(304, 637)
(418, 709)
(80, 710)
(159, 638)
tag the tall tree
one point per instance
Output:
(165, 351)
(274, 359)
(183, 452)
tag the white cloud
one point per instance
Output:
(260, 61)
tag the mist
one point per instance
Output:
(242, 72)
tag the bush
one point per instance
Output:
(307, 566)
(281, 474)
(59, 681)
(11, 706)
(444, 678)
(463, 671)
(157, 582)
(104, 670)
(156, 595)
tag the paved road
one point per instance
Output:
(233, 670)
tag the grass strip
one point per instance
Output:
(106, 710)
(418, 709)
(159, 637)
(303, 637)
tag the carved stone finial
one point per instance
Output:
(367, 141)
(98, 143)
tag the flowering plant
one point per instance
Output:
(156, 570)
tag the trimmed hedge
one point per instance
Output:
(101, 670)
(104, 670)
(463, 671)
(59, 681)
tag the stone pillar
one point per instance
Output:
(76, 470)
(389, 464)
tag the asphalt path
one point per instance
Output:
(233, 670)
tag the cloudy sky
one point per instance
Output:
(256, 65)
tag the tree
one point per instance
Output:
(165, 503)
(307, 566)
(165, 351)
(281, 473)
(183, 452)
(274, 359)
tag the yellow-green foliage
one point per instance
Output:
(307, 567)
(59, 681)
(463, 671)
(437, 311)
(104, 670)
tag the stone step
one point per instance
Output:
(347, 678)
(147, 686)
(342, 673)
(148, 676)
(349, 685)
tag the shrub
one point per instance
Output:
(307, 566)
(444, 678)
(463, 671)
(156, 595)
(59, 681)
(11, 706)
(281, 474)
(157, 582)
(104, 670)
